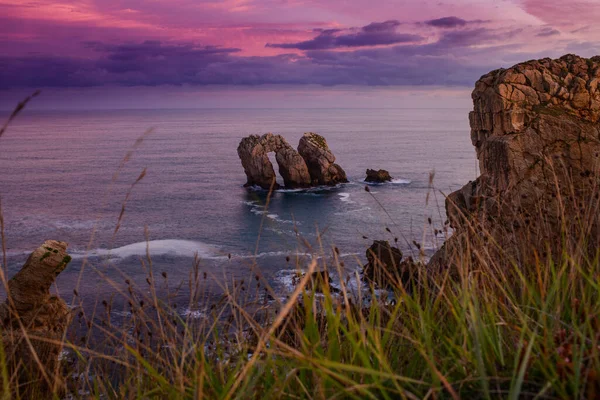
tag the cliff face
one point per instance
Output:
(536, 130)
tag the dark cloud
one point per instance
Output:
(452, 22)
(376, 33)
(548, 32)
(447, 22)
(451, 60)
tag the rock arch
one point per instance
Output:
(253, 151)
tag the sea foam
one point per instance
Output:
(176, 247)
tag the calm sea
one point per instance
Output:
(57, 183)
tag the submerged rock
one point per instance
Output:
(387, 269)
(379, 176)
(33, 321)
(320, 160)
(535, 128)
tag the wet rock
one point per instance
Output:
(320, 160)
(387, 269)
(34, 322)
(379, 176)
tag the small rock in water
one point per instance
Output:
(379, 176)
(387, 269)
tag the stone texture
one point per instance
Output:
(253, 151)
(312, 165)
(386, 268)
(378, 176)
(31, 311)
(536, 131)
(320, 160)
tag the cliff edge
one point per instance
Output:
(536, 131)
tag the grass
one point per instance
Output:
(490, 328)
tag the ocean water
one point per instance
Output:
(58, 182)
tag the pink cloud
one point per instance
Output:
(573, 13)
(287, 41)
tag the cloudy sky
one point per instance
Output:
(175, 53)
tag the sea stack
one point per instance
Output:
(253, 151)
(313, 164)
(536, 131)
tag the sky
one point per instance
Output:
(276, 53)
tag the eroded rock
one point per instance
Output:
(320, 160)
(34, 321)
(253, 152)
(313, 164)
(536, 131)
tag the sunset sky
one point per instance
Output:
(252, 53)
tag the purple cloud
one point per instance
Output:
(152, 63)
(457, 57)
(452, 22)
(376, 33)
(548, 32)
(447, 22)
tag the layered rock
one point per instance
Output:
(313, 163)
(253, 152)
(34, 322)
(536, 130)
(378, 176)
(320, 160)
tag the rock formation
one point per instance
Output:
(387, 269)
(380, 176)
(536, 131)
(253, 151)
(312, 165)
(34, 321)
(320, 160)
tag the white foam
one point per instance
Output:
(362, 209)
(259, 209)
(396, 181)
(345, 197)
(186, 248)
(75, 224)
(257, 188)
(194, 314)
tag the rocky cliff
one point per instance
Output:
(536, 131)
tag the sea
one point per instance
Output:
(134, 191)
